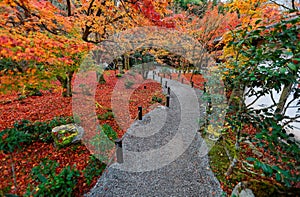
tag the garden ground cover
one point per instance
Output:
(50, 105)
(44, 108)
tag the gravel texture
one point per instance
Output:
(164, 154)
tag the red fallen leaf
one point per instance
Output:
(6, 172)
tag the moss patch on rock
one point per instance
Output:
(64, 135)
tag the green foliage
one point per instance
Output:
(267, 59)
(184, 3)
(51, 183)
(4, 191)
(93, 169)
(281, 175)
(7, 65)
(263, 52)
(18, 69)
(141, 57)
(12, 139)
(109, 132)
(106, 116)
(119, 75)
(157, 99)
(40, 130)
(102, 142)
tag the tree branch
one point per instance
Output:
(282, 5)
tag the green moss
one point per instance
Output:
(66, 140)
(62, 131)
(219, 163)
(265, 189)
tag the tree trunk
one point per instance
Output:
(66, 83)
(236, 99)
(283, 98)
(69, 84)
(126, 62)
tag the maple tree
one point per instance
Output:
(57, 33)
(41, 41)
(36, 47)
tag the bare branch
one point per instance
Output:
(282, 5)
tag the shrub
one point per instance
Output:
(102, 142)
(93, 169)
(110, 133)
(11, 139)
(50, 183)
(157, 99)
(107, 116)
(40, 130)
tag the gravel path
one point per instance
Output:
(163, 153)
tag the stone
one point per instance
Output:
(246, 193)
(240, 191)
(66, 135)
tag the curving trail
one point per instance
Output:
(163, 153)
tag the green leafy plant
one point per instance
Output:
(280, 174)
(41, 130)
(106, 116)
(93, 169)
(109, 132)
(103, 142)
(25, 132)
(266, 59)
(11, 140)
(156, 99)
(51, 183)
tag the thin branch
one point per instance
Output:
(282, 5)
(90, 8)
(294, 119)
(272, 98)
(123, 5)
(258, 97)
(288, 104)
(27, 11)
(247, 168)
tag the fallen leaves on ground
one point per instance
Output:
(51, 104)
